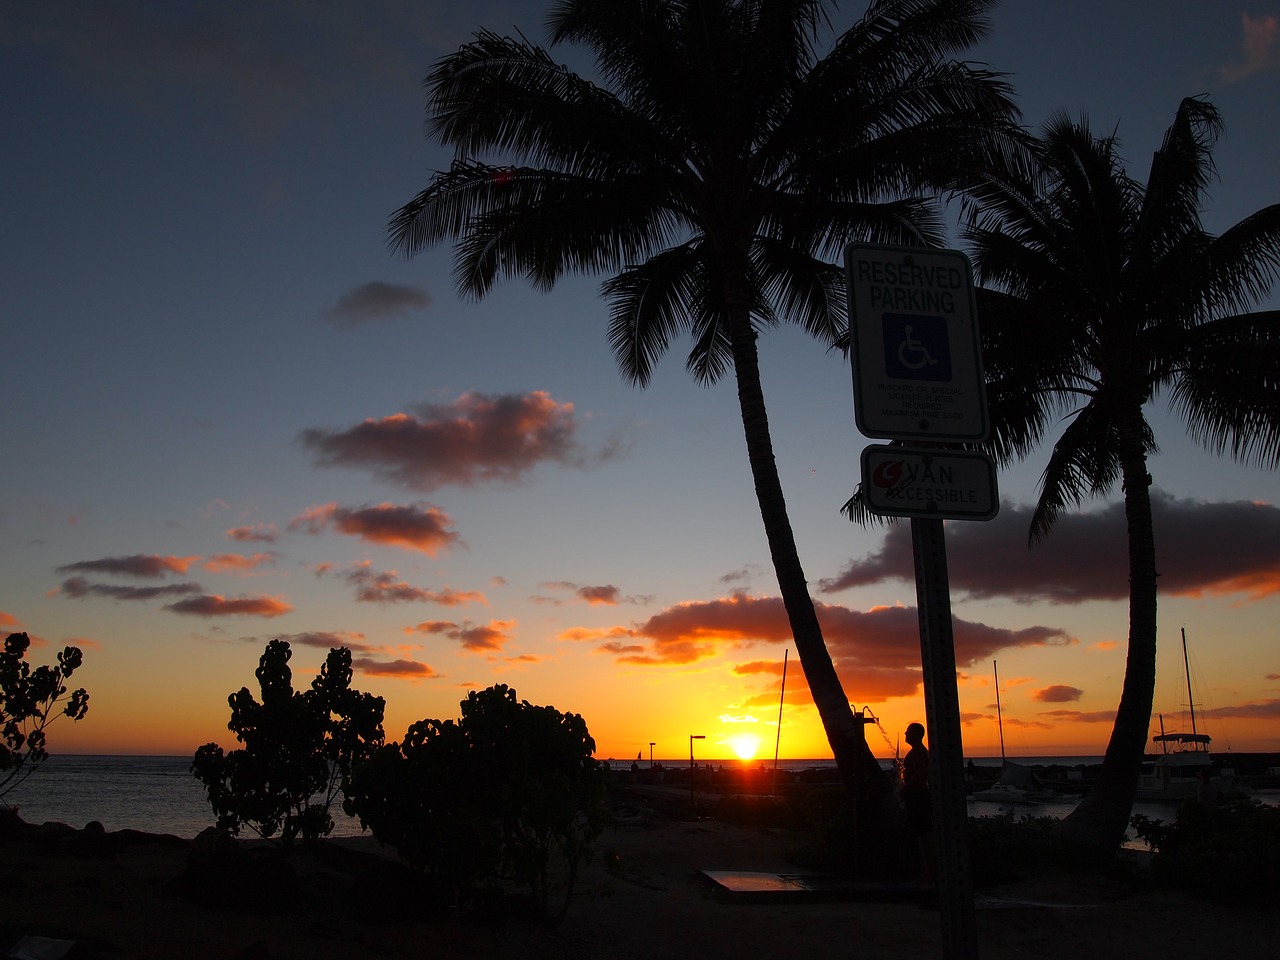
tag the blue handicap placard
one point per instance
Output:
(916, 347)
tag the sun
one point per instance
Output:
(744, 745)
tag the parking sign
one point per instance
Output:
(917, 359)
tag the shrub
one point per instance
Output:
(509, 792)
(1005, 848)
(27, 701)
(1228, 854)
(299, 748)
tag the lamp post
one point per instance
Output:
(693, 804)
(651, 742)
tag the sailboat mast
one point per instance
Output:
(1191, 702)
(777, 742)
(999, 719)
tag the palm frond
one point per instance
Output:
(856, 511)
(649, 304)
(1084, 462)
(1228, 393)
(805, 290)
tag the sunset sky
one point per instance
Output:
(230, 414)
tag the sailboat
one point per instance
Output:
(1175, 773)
(1017, 784)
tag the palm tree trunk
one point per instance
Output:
(859, 771)
(1098, 824)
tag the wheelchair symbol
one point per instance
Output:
(916, 347)
(913, 354)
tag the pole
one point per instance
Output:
(693, 803)
(946, 752)
(1186, 664)
(773, 785)
(999, 719)
(651, 742)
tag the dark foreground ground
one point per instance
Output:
(134, 895)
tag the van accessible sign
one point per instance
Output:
(933, 484)
(917, 359)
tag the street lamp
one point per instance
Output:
(651, 742)
(693, 804)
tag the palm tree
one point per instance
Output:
(720, 162)
(1103, 295)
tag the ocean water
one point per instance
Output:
(160, 794)
(153, 794)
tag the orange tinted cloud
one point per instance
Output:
(386, 587)
(1259, 47)
(490, 636)
(258, 533)
(417, 526)
(213, 605)
(8, 620)
(1224, 547)
(476, 439)
(142, 565)
(1057, 693)
(1079, 716)
(876, 653)
(237, 563)
(1259, 710)
(395, 668)
(326, 640)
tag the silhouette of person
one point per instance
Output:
(917, 801)
(1207, 790)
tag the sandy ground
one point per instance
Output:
(644, 896)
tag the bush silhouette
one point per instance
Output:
(509, 792)
(27, 701)
(299, 748)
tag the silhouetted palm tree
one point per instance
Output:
(1108, 294)
(721, 161)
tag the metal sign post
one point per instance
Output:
(946, 751)
(917, 373)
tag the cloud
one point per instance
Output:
(78, 588)
(213, 605)
(326, 640)
(237, 563)
(741, 575)
(1078, 716)
(1057, 693)
(1259, 710)
(141, 565)
(257, 533)
(1214, 548)
(490, 636)
(476, 439)
(376, 301)
(602, 595)
(876, 653)
(417, 526)
(1259, 49)
(395, 668)
(374, 587)
(758, 666)
(8, 620)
